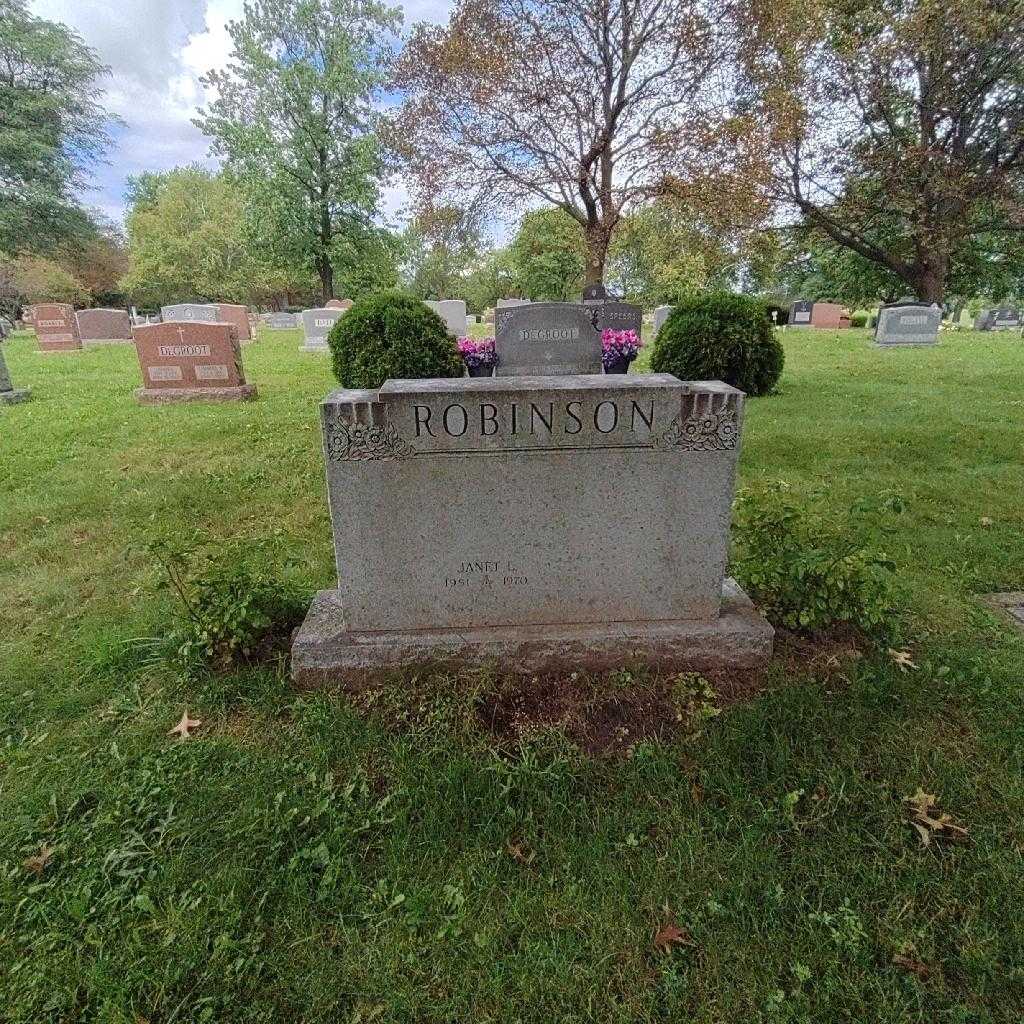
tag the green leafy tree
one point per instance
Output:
(441, 246)
(53, 129)
(294, 122)
(492, 278)
(548, 256)
(371, 263)
(38, 279)
(186, 239)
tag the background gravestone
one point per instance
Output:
(983, 321)
(200, 311)
(908, 323)
(231, 313)
(56, 327)
(186, 361)
(800, 313)
(620, 316)
(343, 304)
(316, 325)
(510, 303)
(104, 325)
(660, 316)
(547, 339)
(1005, 318)
(281, 321)
(453, 313)
(9, 394)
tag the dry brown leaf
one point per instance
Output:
(931, 823)
(521, 852)
(986, 521)
(183, 730)
(910, 963)
(902, 659)
(669, 935)
(39, 862)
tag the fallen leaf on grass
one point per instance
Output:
(986, 521)
(183, 730)
(908, 962)
(669, 935)
(931, 823)
(901, 659)
(521, 853)
(39, 862)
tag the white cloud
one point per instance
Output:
(157, 50)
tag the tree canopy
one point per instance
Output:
(294, 122)
(53, 130)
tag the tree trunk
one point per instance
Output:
(930, 282)
(326, 272)
(597, 253)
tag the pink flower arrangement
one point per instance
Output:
(477, 351)
(617, 345)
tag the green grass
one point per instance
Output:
(304, 859)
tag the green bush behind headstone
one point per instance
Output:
(391, 336)
(720, 336)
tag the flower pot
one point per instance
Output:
(620, 365)
(481, 371)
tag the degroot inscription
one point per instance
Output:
(489, 420)
(183, 350)
(551, 334)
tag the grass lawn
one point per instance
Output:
(302, 858)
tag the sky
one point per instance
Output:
(157, 50)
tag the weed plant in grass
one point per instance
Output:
(319, 858)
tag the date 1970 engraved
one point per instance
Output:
(707, 432)
(359, 442)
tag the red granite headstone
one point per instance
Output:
(104, 325)
(56, 327)
(185, 361)
(830, 315)
(237, 315)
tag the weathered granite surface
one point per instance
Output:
(908, 323)
(104, 325)
(199, 311)
(189, 361)
(547, 338)
(232, 313)
(281, 321)
(660, 316)
(56, 327)
(533, 517)
(316, 325)
(453, 313)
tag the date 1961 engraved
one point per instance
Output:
(486, 574)
(701, 432)
(359, 442)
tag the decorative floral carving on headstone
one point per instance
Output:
(707, 431)
(361, 442)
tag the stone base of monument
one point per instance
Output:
(15, 396)
(313, 347)
(163, 396)
(739, 640)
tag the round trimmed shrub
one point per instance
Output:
(720, 336)
(391, 336)
(859, 320)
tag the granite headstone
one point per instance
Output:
(231, 313)
(622, 490)
(316, 325)
(9, 394)
(185, 361)
(102, 325)
(281, 321)
(547, 339)
(908, 323)
(56, 327)
(660, 316)
(199, 311)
